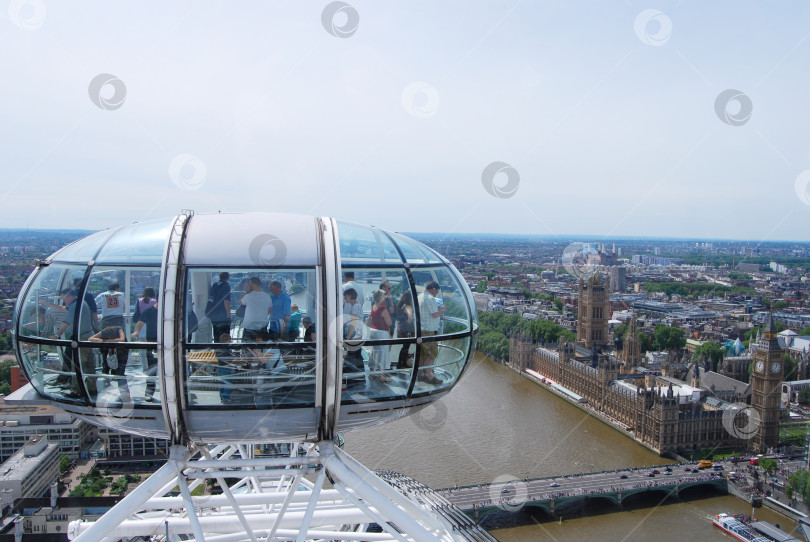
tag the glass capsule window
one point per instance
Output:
(400, 330)
(84, 250)
(143, 243)
(250, 337)
(378, 333)
(99, 312)
(364, 244)
(49, 312)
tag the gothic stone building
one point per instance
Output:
(656, 415)
(593, 312)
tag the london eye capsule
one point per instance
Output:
(252, 327)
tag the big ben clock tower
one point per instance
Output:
(766, 382)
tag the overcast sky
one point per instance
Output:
(679, 119)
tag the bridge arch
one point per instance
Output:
(601, 503)
(644, 497)
(492, 517)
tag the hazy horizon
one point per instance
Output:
(560, 237)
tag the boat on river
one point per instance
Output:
(737, 527)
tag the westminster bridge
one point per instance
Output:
(570, 495)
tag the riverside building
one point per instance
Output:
(657, 408)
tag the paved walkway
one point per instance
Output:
(71, 479)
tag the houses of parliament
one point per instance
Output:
(677, 408)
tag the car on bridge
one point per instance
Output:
(650, 475)
(656, 471)
(555, 484)
(623, 476)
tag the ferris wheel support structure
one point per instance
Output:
(265, 499)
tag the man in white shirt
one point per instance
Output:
(430, 315)
(112, 305)
(257, 304)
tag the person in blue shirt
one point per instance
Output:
(279, 312)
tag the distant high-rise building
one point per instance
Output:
(592, 316)
(618, 279)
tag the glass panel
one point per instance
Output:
(275, 308)
(49, 370)
(388, 314)
(117, 374)
(240, 302)
(116, 296)
(264, 376)
(442, 310)
(409, 249)
(440, 363)
(48, 309)
(138, 243)
(365, 281)
(365, 244)
(56, 368)
(84, 249)
(464, 290)
(142, 377)
(431, 256)
(373, 371)
(416, 252)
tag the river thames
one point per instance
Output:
(497, 423)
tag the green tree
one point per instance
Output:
(482, 286)
(711, 350)
(496, 327)
(769, 465)
(739, 276)
(64, 463)
(5, 376)
(804, 331)
(619, 331)
(669, 338)
(779, 305)
(799, 482)
(644, 342)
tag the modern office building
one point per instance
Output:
(18, 423)
(31, 470)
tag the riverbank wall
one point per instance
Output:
(602, 417)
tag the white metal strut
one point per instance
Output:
(316, 492)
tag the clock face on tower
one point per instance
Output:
(760, 366)
(775, 366)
